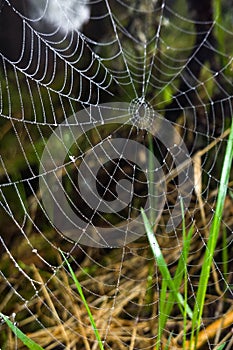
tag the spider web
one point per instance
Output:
(133, 65)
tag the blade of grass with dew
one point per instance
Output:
(20, 335)
(79, 289)
(163, 266)
(213, 237)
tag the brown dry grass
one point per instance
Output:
(121, 286)
(123, 301)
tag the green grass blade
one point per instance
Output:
(213, 236)
(152, 188)
(178, 277)
(20, 335)
(169, 341)
(162, 312)
(184, 257)
(221, 347)
(219, 32)
(225, 256)
(79, 289)
(163, 266)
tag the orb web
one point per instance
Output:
(157, 75)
